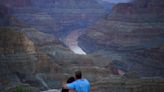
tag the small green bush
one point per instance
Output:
(21, 89)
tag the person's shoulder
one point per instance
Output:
(86, 80)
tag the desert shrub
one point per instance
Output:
(21, 89)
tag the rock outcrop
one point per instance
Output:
(20, 60)
(17, 43)
(131, 36)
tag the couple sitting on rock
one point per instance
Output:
(76, 84)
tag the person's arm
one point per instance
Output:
(69, 85)
(65, 86)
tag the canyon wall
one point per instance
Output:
(21, 60)
(132, 36)
(55, 16)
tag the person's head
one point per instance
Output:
(70, 80)
(78, 74)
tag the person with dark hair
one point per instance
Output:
(80, 85)
(70, 80)
(78, 75)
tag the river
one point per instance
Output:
(71, 41)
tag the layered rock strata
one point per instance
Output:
(131, 36)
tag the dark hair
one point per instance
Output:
(78, 75)
(70, 80)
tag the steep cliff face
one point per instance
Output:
(10, 50)
(21, 60)
(132, 36)
(140, 6)
(16, 44)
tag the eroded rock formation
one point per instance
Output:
(131, 36)
(20, 59)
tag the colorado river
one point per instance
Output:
(71, 41)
